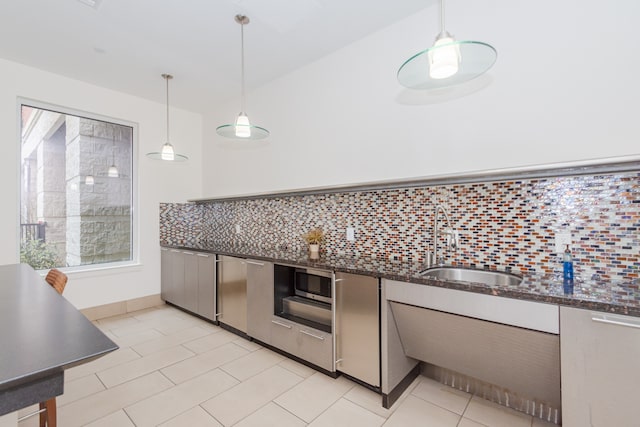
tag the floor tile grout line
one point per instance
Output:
(286, 410)
(367, 409)
(210, 414)
(128, 416)
(169, 379)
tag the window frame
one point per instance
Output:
(135, 220)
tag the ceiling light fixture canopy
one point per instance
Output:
(167, 153)
(242, 127)
(447, 63)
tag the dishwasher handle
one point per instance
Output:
(601, 318)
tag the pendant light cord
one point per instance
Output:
(242, 99)
(441, 16)
(442, 30)
(167, 77)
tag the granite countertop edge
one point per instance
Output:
(602, 296)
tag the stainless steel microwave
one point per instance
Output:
(313, 284)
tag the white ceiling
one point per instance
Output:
(126, 44)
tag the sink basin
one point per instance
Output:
(491, 278)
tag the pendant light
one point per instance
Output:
(112, 172)
(167, 153)
(448, 62)
(242, 128)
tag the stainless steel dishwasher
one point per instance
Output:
(232, 292)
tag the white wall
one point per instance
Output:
(157, 181)
(564, 88)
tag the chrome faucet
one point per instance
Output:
(452, 237)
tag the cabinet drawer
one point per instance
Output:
(316, 347)
(283, 335)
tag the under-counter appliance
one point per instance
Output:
(232, 292)
(313, 284)
(304, 295)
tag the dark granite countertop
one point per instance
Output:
(599, 295)
(42, 333)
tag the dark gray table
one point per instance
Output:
(41, 335)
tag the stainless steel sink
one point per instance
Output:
(491, 278)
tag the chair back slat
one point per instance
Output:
(57, 279)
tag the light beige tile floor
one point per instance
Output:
(173, 369)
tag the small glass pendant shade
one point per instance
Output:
(243, 126)
(167, 152)
(89, 180)
(112, 172)
(445, 61)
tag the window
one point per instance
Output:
(76, 192)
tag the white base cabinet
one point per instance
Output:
(600, 353)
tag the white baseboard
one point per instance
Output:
(122, 307)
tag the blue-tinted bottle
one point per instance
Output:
(567, 266)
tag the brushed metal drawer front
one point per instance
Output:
(525, 361)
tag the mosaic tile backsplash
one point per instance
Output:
(502, 225)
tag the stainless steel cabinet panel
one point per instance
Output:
(524, 361)
(600, 376)
(206, 285)
(315, 346)
(307, 343)
(166, 274)
(172, 276)
(283, 334)
(259, 299)
(232, 292)
(358, 327)
(190, 282)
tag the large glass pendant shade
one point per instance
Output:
(447, 63)
(242, 127)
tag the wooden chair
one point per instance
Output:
(58, 280)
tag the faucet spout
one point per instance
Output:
(452, 235)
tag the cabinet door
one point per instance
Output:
(175, 293)
(232, 292)
(259, 299)
(166, 274)
(206, 285)
(190, 281)
(358, 327)
(600, 376)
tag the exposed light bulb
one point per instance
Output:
(167, 152)
(444, 61)
(88, 180)
(243, 127)
(112, 172)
